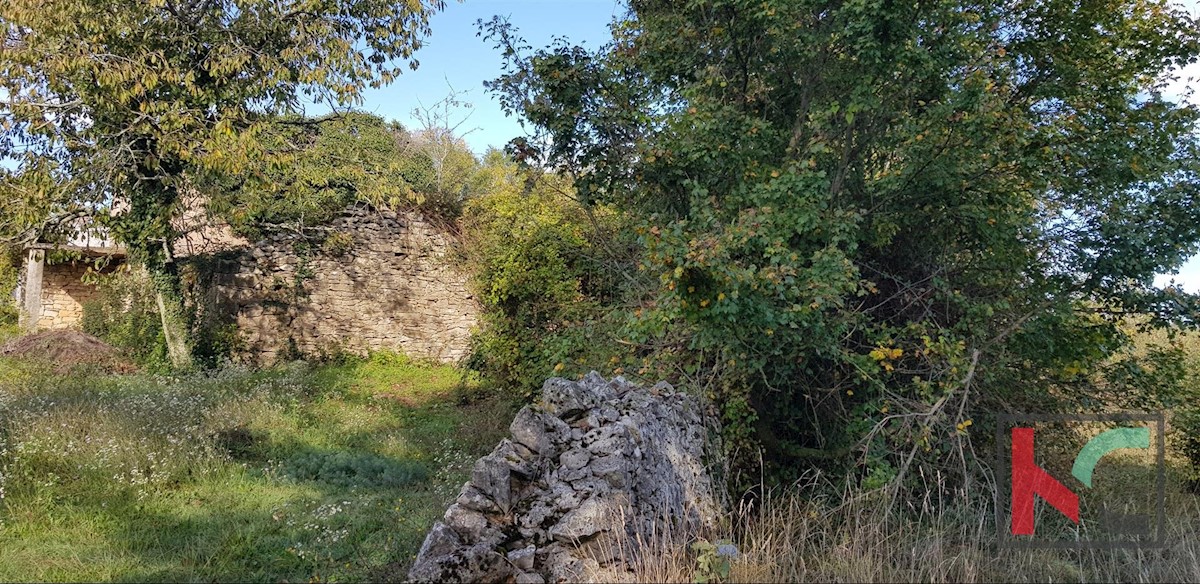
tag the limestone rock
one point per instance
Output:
(597, 466)
(465, 522)
(522, 559)
(575, 459)
(583, 521)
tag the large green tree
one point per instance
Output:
(110, 109)
(323, 165)
(868, 219)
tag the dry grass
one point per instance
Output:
(793, 536)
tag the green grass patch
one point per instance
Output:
(294, 474)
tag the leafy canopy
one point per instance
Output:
(870, 221)
(107, 100)
(111, 109)
(322, 166)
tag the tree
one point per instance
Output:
(111, 108)
(323, 165)
(442, 138)
(871, 221)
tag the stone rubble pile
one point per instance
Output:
(592, 473)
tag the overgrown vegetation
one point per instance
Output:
(123, 314)
(864, 227)
(119, 105)
(540, 271)
(334, 161)
(10, 264)
(862, 230)
(331, 473)
(812, 532)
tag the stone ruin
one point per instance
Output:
(394, 287)
(595, 473)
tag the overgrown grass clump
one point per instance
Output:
(326, 473)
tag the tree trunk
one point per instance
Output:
(174, 321)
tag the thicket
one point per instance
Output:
(335, 161)
(124, 314)
(540, 269)
(867, 228)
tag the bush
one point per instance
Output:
(547, 276)
(124, 314)
(354, 470)
(865, 245)
(10, 265)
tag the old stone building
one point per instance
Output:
(52, 287)
(379, 280)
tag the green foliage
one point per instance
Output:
(873, 222)
(115, 104)
(1159, 370)
(292, 474)
(326, 164)
(361, 470)
(10, 266)
(535, 257)
(124, 314)
(337, 243)
(713, 560)
(1187, 422)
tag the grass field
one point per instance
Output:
(336, 472)
(304, 473)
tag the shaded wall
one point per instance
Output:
(63, 294)
(384, 282)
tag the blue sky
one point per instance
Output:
(1189, 77)
(455, 57)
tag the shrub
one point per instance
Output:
(10, 265)
(124, 314)
(345, 469)
(877, 241)
(1157, 370)
(547, 276)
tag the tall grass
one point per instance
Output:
(808, 532)
(337, 472)
(331, 473)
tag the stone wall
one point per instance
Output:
(64, 293)
(384, 281)
(595, 476)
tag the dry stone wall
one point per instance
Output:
(596, 474)
(64, 292)
(386, 282)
